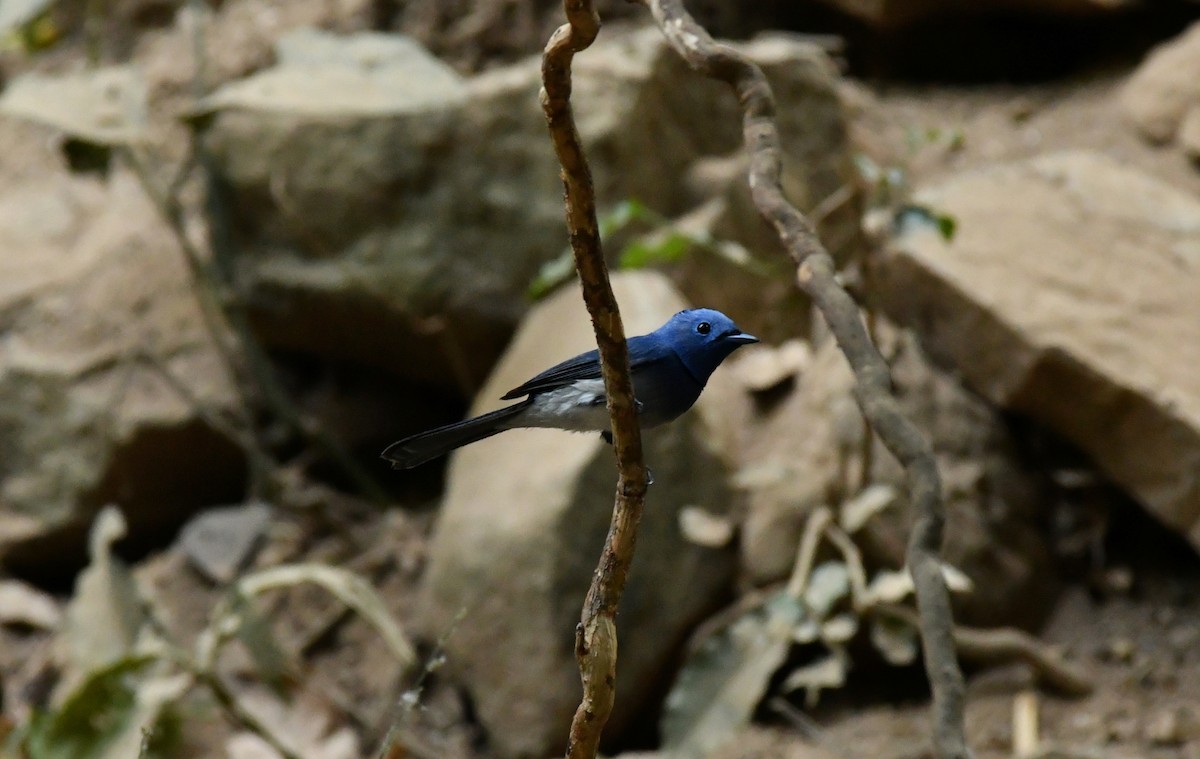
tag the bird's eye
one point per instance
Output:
(704, 328)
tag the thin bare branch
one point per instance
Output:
(596, 636)
(817, 277)
(1006, 644)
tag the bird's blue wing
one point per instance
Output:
(584, 366)
(642, 350)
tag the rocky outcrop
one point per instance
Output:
(807, 450)
(1069, 294)
(96, 304)
(1163, 95)
(395, 214)
(522, 525)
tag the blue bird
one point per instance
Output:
(670, 367)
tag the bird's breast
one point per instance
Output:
(665, 389)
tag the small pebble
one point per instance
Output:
(1119, 649)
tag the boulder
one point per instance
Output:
(96, 304)
(392, 213)
(1070, 294)
(1189, 134)
(1164, 92)
(807, 449)
(522, 525)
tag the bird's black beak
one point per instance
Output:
(741, 338)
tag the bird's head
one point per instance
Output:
(703, 338)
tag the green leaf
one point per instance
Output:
(910, 216)
(561, 269)
(553, 273)
(643, 253)
(625, 213)
(94, 716)
(947, 225)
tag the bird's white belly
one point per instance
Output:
(579, 407)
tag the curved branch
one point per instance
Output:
(817, 277)
(595, 637)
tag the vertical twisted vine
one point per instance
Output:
(816, 274)
(595, 636)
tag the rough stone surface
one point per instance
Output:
(807, 450)
(1071, 294)
(522, 525)
(406, 236)
(89, 280)
(1165, 91)
(1189, 133)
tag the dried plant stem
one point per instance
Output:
(817, 277)
(1007, 644)
(596, 636)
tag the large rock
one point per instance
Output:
(807, 450)
(1164, 93)
(96, 303)
(1071, 294)
(393, 213)
(522, 525)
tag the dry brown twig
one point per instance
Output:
(1006, 644)
(596, 634)
(817, 277)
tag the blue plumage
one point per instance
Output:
(670, 367)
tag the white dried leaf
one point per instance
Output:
(892, 586)
(839, 629)
(704, 528)
(25, 605)
(104, 616)
(857, 511)
(896, 640)
(761, 475)
(808, 630)
(828, 584)
(889, 586)
(823, 674)
(349, 588)
(956, 580)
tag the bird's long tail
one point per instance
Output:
(417, 449)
